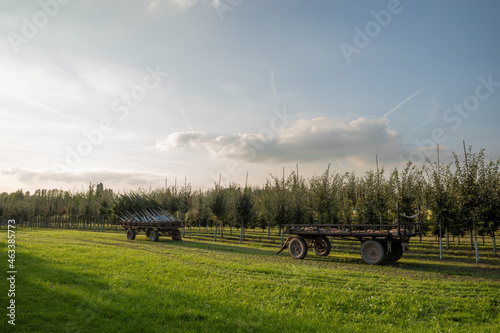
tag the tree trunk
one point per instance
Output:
(241, 231)
(494, 245)
(447, 239)
(215, 233)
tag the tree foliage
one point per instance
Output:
(459, 196)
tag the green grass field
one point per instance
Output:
(77, 281)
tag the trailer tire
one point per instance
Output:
(154, 235)
(131, 234)
(148, 232)
(397, 252)
(372, 252)
(176, 235)
(322, 246)
(298, 248)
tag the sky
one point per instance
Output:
(140, 93)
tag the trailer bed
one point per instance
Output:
(379, 242)
(353, 230)
(153, 222)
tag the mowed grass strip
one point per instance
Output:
(75, 281)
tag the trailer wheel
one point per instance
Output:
(131, 234)
(372, 252)
(397, 252)
(322, 246)
(298, 248)
(176, 235)
(148, 232)
(154, 235)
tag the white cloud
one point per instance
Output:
(153, 6)
(180, 140)
(181, 5)
(54, 105)
(184, 4)
(215, 3)
(65, 86)
(306, 140)
(125, 177)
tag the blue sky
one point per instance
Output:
(129, 93)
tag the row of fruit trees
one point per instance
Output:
(458, 199)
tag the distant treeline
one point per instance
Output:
(462, 196)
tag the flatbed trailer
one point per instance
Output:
(379, 242)
(154, 223)
(153, 230)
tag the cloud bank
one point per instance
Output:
(131, 178)
(305, 140)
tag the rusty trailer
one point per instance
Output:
(154, 222)
(378, 242)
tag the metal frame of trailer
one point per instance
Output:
(379, 242)
(153, 230)
(154, 222)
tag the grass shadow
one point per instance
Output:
(52, 299)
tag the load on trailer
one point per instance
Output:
(154, 222)
(378, 242)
